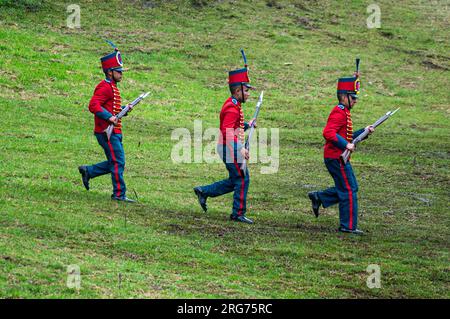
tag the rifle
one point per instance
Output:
(346, 154)
(252, 128)
(124, 111)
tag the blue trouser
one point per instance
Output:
(115, 164)
(344, 192)
(237, 181)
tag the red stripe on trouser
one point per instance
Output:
(350, 195)
(116, 168)
(241, 196)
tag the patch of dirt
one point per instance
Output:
(334, 36)
(431, 65)
(201, 3)
(302, 6)
(410, 52)
(7, 258)
(387, 34)
(334, 20)
(409, 85)
(7, 74)
(274, 4)
(176, 229)
(131, 256)
(431, 61)
(306, 23)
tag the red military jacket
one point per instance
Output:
(105, 103)
(338, 132)
(232, 123)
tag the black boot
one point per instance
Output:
(241, 219)
(123, 199)
(201, 198)
(354, 232)
(84, 176)
(315, 200)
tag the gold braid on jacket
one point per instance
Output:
(117, 104)
(349, 136)
(241, 126)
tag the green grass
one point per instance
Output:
(165, 247)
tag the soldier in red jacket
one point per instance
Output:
(338, 134)
(231, 149)
(105, 104)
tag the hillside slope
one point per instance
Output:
(165, 247)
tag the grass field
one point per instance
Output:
(165, 246)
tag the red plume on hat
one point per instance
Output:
(112, 61)
(240, 76)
